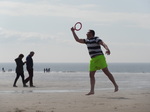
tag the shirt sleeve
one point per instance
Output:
(98, 39)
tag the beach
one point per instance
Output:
(65, 92)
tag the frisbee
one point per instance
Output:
(77, 26)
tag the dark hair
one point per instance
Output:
(32, 52)
(21, 56)
(93, 32)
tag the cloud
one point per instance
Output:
(129, 44)
(72, 11)
(32, 37)
(5, 33)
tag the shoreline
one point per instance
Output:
(83, 67)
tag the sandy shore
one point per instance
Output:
(106, 101)
(47, 99)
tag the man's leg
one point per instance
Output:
(92, 82)
(27, 79)
(110, 76)
(31, 76)
(31, 79)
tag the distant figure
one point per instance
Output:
(44, 70)
(3, 69)
(47, 70)
(19, 70)
(9, 70)
(29, 65)
(97, 61)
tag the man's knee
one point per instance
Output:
(92, 74)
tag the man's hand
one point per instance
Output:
(72, 29)
(108, 52)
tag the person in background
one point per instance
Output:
(19, 70)
(3, 69)
(29, 65)
(97, 61)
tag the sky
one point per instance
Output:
(43, 26)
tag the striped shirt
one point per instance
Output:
(93, 46)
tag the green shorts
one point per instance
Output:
(97, 63)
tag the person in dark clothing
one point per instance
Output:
(19, 70)
(29, 64)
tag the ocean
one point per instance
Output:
(81, 67)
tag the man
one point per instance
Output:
(97, 61)
(29, 64)
(19, 70)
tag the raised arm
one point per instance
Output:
(106, 47)
(76, 37)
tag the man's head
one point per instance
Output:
(31, 53)
(90, 34)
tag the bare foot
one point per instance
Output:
(90, 93)
(116, 89)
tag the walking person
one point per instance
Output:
(19, 70)
(29, 65)
(97, 61)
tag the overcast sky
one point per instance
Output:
(44, 26)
